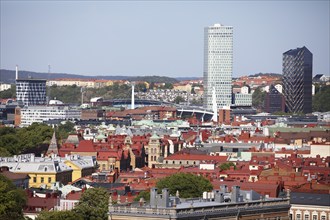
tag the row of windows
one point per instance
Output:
(306, 217)
(153, 158)
(180, 162)
(42, 179)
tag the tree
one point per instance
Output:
(59, 215)
(226, 166)
(63, 130)
(179, 99)
(9, 93)
(188, 185)
(20, 140)
(141, 87)
(144, 194)
(321, 99)
(66, 94)
(168, 86)
(93, 204)
(258, 98)
(12, 200)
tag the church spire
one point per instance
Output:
(52, 149)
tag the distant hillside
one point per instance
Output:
(8, 76)
(266, 74)
(153, 79)
(188, 78)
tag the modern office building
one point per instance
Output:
(44, 113)
(297, 80)
(274, 100)
(31, 91)
(218, 65)
(240, 99)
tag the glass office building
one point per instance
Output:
(218, 65)
(297, 80)
(31, 91)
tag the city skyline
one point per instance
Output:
(157, 38)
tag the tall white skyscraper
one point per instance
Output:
(218, 65)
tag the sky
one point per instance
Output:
(164, 38)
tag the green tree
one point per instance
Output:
(178, 99)
(188, 185)
(258, 98)
(59, 215)
(321, 99)
(140, 87)
(66, 94)
(63, 130)
(19, 140)
(93, 204)
(9, 93)
(168, 86)
(143, 194)
(226, 166)
(12, 200)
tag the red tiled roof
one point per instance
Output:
(74, 195)
(85, 146)
(196, 157)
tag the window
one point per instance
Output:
(314, 217)
(41, 179)
(298, 217)
(49, 179)
(34, 179)
(306, 217)
(323, 217)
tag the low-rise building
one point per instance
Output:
(310, 206)
(219, 204)
(42, 113)
(44, 171)
(19, 180)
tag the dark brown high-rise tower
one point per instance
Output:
(297, 80)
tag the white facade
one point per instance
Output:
(245, 90)
(279, 88)
(242, 99)
(4, 86)
(30, 114)
(218, 65)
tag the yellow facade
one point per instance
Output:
(77, 171)
(109, 164)
(41, 179)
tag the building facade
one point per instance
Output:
(274, 100)
(31, 91)
(4, 86)
(297, 80)
(241, 99)
(218, 204)
(42, 113)
(218, 65)
(311, 206)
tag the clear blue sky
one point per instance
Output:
(157, 37)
